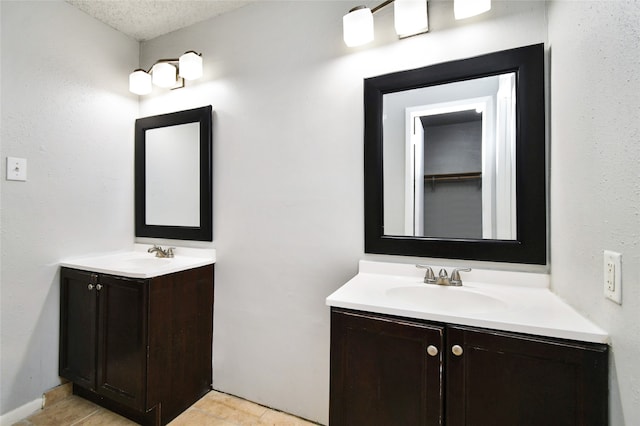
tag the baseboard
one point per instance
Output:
(21, 412)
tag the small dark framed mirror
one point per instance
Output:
(173, 175)
(455, 159)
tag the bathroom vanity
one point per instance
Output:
(403, 352)
(501, 350)
(138, 342)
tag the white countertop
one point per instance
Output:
(526, 305)
(138, 263)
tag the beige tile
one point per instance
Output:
(278, 418)
(194, 416)
(104, 417)
(235, 410)
(65, 412)
(245, 413)
(57, 394)
(214, 394)
(214, 409)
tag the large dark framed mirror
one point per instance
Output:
(173, 175)
(455, 159)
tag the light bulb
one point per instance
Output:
(190, 66)
(140, 82)
(467, 8)
(357, 26)
(164, 75)
(410, 17)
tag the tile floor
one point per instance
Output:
(214, 409)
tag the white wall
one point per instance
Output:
(66, 109)
(595, 175)
(288, 171)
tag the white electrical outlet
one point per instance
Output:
(16, 168)
(613, 276)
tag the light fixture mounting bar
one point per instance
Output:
(164, 61)
(381, 5)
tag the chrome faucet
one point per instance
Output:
(160, 252)
(443, 277)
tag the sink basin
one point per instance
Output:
(146, 263)
(134, 262)
(451, 300)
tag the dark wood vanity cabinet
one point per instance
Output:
(381, 373)
(396, 371)
(102, 335)
(511, 379)
(140, 347)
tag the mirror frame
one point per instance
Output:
(204, 232)
(530, 245)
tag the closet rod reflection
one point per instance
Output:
(452, 177)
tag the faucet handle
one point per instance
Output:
(455, 276)
(169, 252)
(429, 277)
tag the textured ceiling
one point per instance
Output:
(147, 19)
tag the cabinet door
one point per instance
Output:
(122, 346)
(78, 327)
(505, 379)
(381, 372)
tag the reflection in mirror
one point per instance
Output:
(455, 159)
(173, 175)
(449, 168)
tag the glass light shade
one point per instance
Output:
(357, 26)
(140, 82)
(164, 75)
(467, 8)
(190, 66)
(410, 17)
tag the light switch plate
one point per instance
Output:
(613, 276)
(16, 168)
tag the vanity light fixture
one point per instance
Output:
(467, 8)
(168, 73)
(410, 18)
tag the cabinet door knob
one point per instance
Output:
(456, 350)
(432, 350)
(98, 287)
(90, 287)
